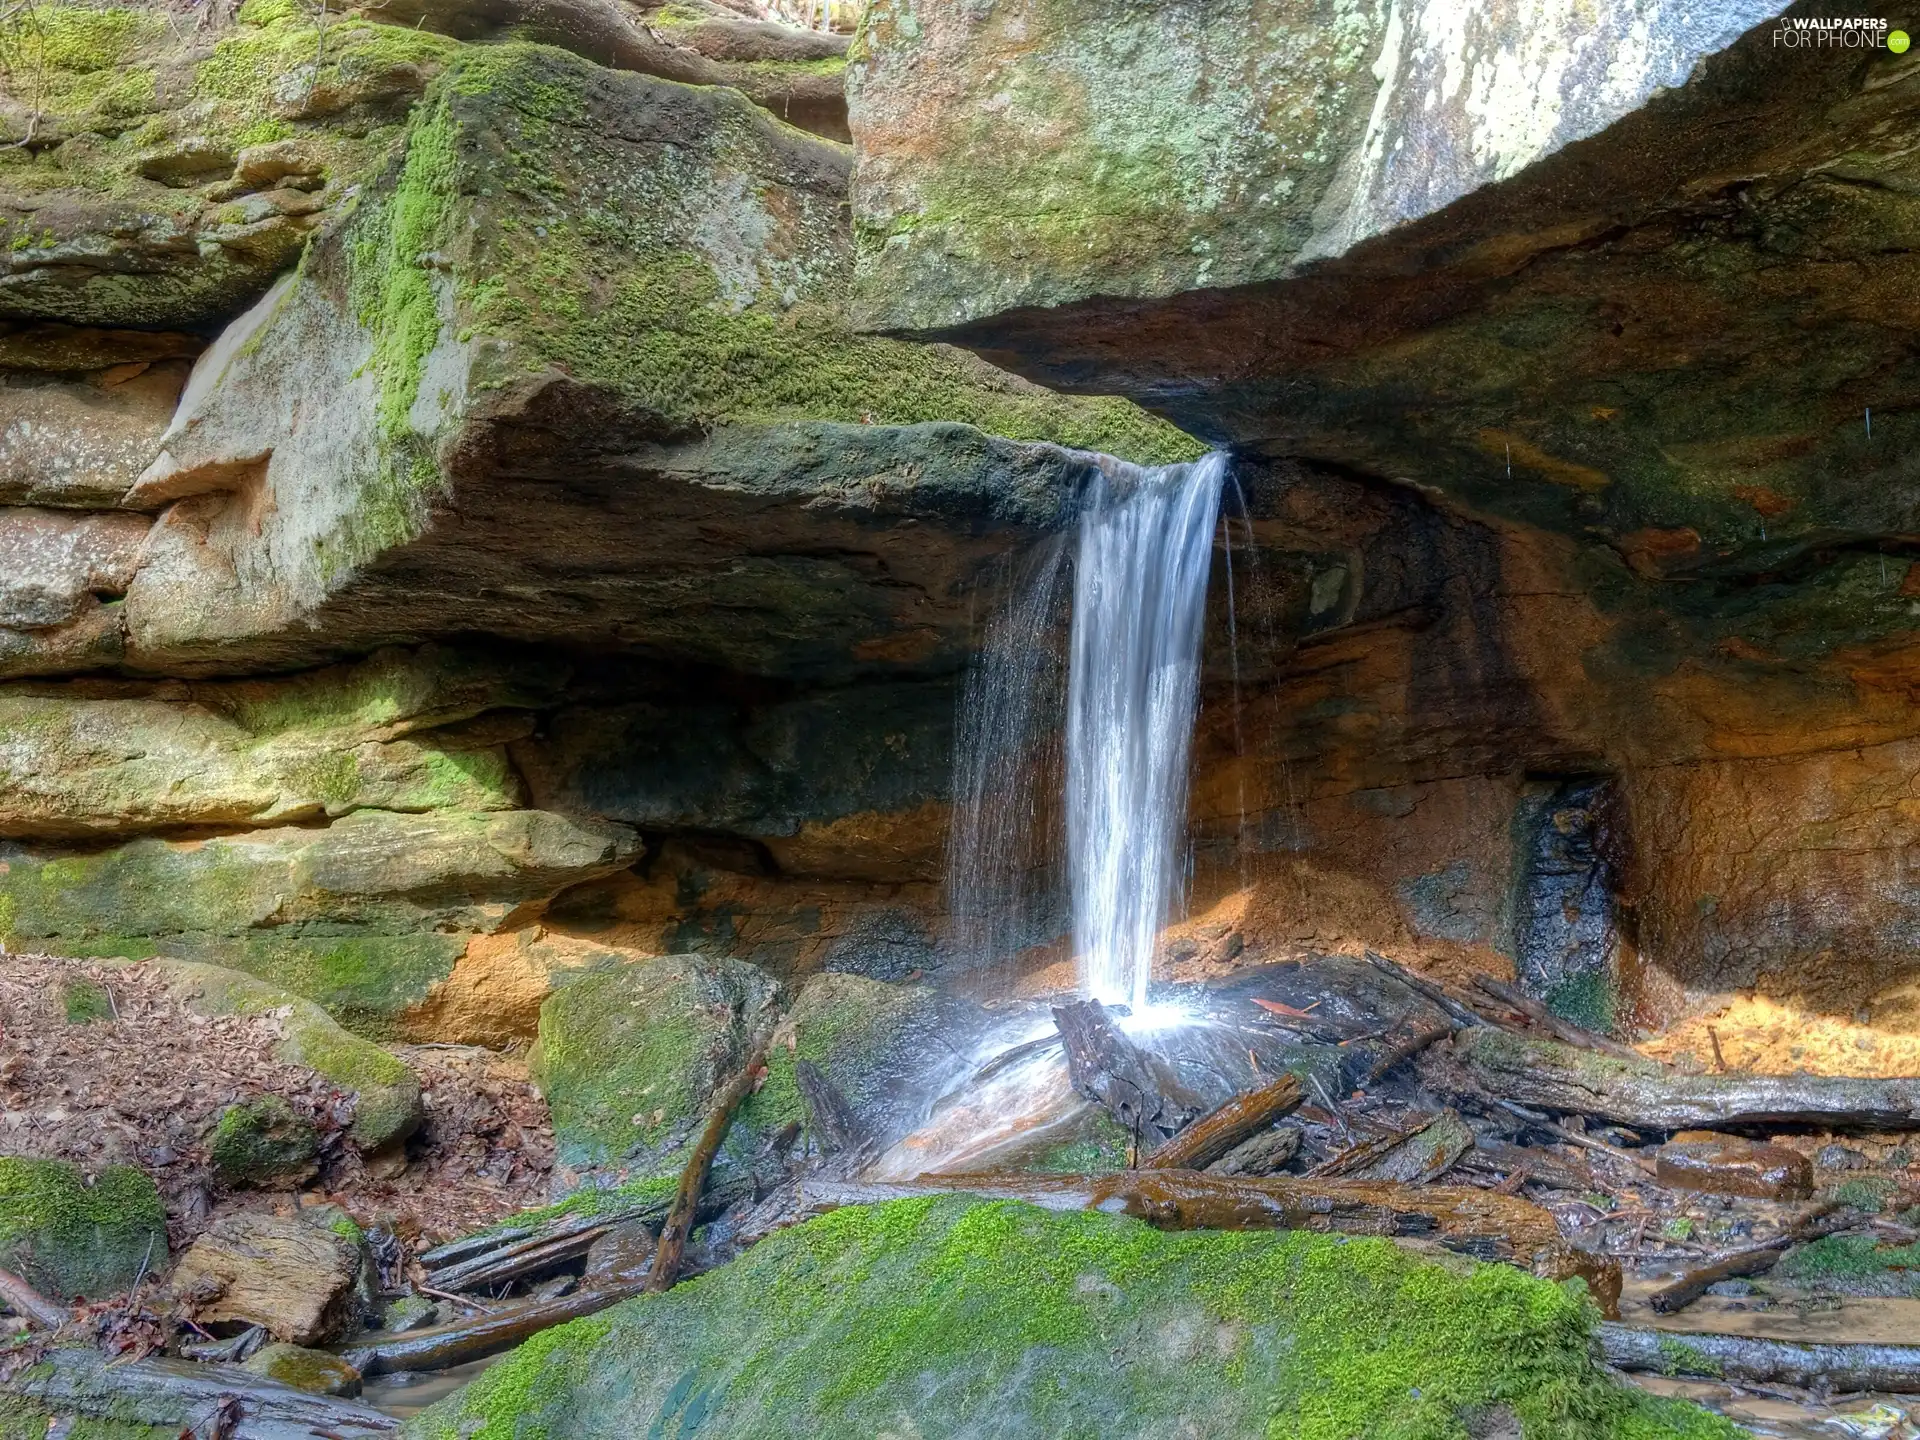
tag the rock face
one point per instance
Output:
(69, 1237)
(1034, 154)
(952, 1317)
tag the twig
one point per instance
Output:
(1719, 1060)
(30, 1305)
(1406, 1050)
(672, 1248)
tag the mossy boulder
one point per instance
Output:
(262, 1143)
(69, 1237)
(386, 1092)
(364, 916)
(637, 285)
(951, 1316)
(316, 1371)
(630, 1054)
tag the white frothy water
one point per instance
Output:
(1140, 592)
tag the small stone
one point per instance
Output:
(314, 1371)
(298, 1280)
(622, 1253)
(408, 1313)
(1728, 1165)
(263, 1144)
(186, 161)
(263, 166)
(1731, 1289)
(1841, 1157)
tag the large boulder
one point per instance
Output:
(575, 367)
(630, 1054)
(952, 1317)
(69, 1236)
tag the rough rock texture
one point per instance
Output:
(401, 731)
(574, 368)
(1038, 153)
(83, 442)
(70, 1235)
(629, 1054)
(953, 1317)
(294, 1276)
(262, 1142)
(363, 915)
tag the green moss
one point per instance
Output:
(1069, 1326)
(650, 1194)
(22, 1419)
(1679, 1358)
(1869, 1193)
(262, 1142)
(275, 12)
(1588, 999)
(1854, 1263)
(85, 1001)
(70, 1238)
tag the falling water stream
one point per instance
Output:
(1140, 594)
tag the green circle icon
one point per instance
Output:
(1897, 42)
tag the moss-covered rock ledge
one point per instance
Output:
(951, 1316)
(576, 365)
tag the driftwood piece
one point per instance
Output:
(1551, 1076)
(1416, 1156)
(1265, 1153)
(1754, 1260)
(1744, 1359)
(444, 1346)
(1402, 1051)
(1561, 1028)
(672, 1245)
(829, 1115)
(1495, 1157)
(1209, 1138)
(1138, 1089)
(492, 1258)
(30, 1305)
(468, 1246)
(1464, 1016)
(187, 1396)
(1480, 1223)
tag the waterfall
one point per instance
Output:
(1140, 592)
(1132, 679)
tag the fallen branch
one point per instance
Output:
(1643, 1095)
(1562, 1029)
(1405, 1050)
(182, 1394)
(672, 1245)
(1418, 1155)
(444, 1346)
(1211, 1136)
(1754, 1260)
(30, 1305)
(1741, 1358)
(1464, 1016)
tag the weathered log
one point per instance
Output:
(1495, 1157)
(672, 1244)
(30, 1305)
(1552, 1076)
(1562, 1028)
(1416, 1156)
(468, 1246)
(185, 1395)
(1480, 1223)
(1744, 1359)
(1211, 1136)
(1464, 1016)
(492, 1259)
(444, 1346)
(1265, 1153)
(1753, 1260)
(1139, 1090)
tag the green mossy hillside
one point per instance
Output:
(954, 1316)
(69, 1238)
